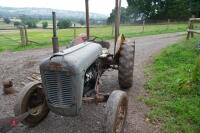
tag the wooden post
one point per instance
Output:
(192, 27)
(189, 26)
(191, 31)
(74, 31)
(143, 26)
(26, 35)
(22, 35)
(112, 29)
(168, 23)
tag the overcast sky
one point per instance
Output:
(96, 6)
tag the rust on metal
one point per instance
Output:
(87, 18)
(121, 116)
(55, 66)
(98, 98)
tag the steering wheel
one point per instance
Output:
(94, 38)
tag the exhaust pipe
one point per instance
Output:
(55, 38)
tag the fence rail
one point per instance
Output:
(191, 29)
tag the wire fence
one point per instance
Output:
(9, 38)
(42, 37)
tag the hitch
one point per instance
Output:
(6, 124)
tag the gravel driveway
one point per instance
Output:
(18, 65)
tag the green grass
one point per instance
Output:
(173, 96)
(6, 26)
(10, 41)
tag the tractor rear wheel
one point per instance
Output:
(126, 64)
(31, 99)
(116, 112)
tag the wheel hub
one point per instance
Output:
(120, 118)
(36, 102)
(36, 110)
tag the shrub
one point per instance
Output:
(64, 23)
(7, 20)
(44, 25)
(82, 22)
(16, 24)
(29, 21)
(31, 24)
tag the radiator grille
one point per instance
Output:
(59, 88)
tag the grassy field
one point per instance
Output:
(6, 26)
(174, 89)
(10, 40)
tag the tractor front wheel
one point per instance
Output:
(32, 99)
(115, 112)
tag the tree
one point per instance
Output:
(44, 25)
(124, 16)
(16, 24)
(31, 24)
(29, 21)
(7, 20)
(81, 22)
(162, 9)
(111, 18)
(177, 9)
(195, 7)
(64, 23)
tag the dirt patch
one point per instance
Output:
(29, 64)
(18, 65)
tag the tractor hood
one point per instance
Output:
(63, 77)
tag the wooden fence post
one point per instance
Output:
(112, 29)
(143, 26)
(168, 23)
(189, 26)
(74, 31)
(192, 27)
(26, 35)
(22, 35)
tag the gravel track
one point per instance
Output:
(18, 65)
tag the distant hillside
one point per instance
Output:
(46, 13)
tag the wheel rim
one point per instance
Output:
(37, 110)
(121, 116)
(36, 102)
